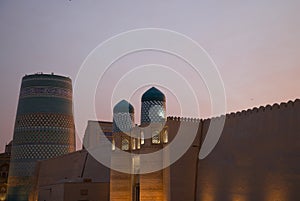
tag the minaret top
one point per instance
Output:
(123, 107)
(153, 94)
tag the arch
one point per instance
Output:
(165, 137)
(142, 137)
(125, 144)
(113, 144)
(133, 143)
(155, 137)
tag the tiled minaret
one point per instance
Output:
(123, 122)
(44, 128)
(153, 107)
(123, 117)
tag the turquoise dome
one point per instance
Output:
(153, 94)
(123, 106)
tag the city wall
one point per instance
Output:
(256, 158)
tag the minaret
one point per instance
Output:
(123, 117)
(123, 123)
(44, 128)
(154, 185)
(153, 107)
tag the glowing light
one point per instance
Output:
(161, 114)
(165, 137)
(208, 197)
(142, 137)
(276, 188)
(155, 137)
(138, 143)
(125, 144)
(133, 144)
(113, 145)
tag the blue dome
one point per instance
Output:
(123, 106)
(153, 94)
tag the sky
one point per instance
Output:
(255, 46)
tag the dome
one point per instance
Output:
(153, 94)
(123, 106)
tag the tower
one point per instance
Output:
(121, 184)
(153, 107)
(123, 117)
(154, 185)
(44, 128)
(149, 137)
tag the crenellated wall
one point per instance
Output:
(256, 158)
(183, 173)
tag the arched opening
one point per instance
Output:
(142, 137)
(133, 143)
(155, 137)
(125, 144)
(113, 145)
(165, 137)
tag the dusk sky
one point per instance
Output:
(255, 45)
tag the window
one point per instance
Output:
(138, 143)
(137, 192)
(155, 137)
(165, 136)
(133, 145)
(113, 145)
(125, 144)
(142, 137)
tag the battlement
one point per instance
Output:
(262, 109)
(184, 119)
(253, 110)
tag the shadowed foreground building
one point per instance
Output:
(44, 128)
(4, 168)
(75, 176)
(256, 158)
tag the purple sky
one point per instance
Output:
(255, 45)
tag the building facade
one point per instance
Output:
(149, 137)
(92, 136)
(74, 176)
